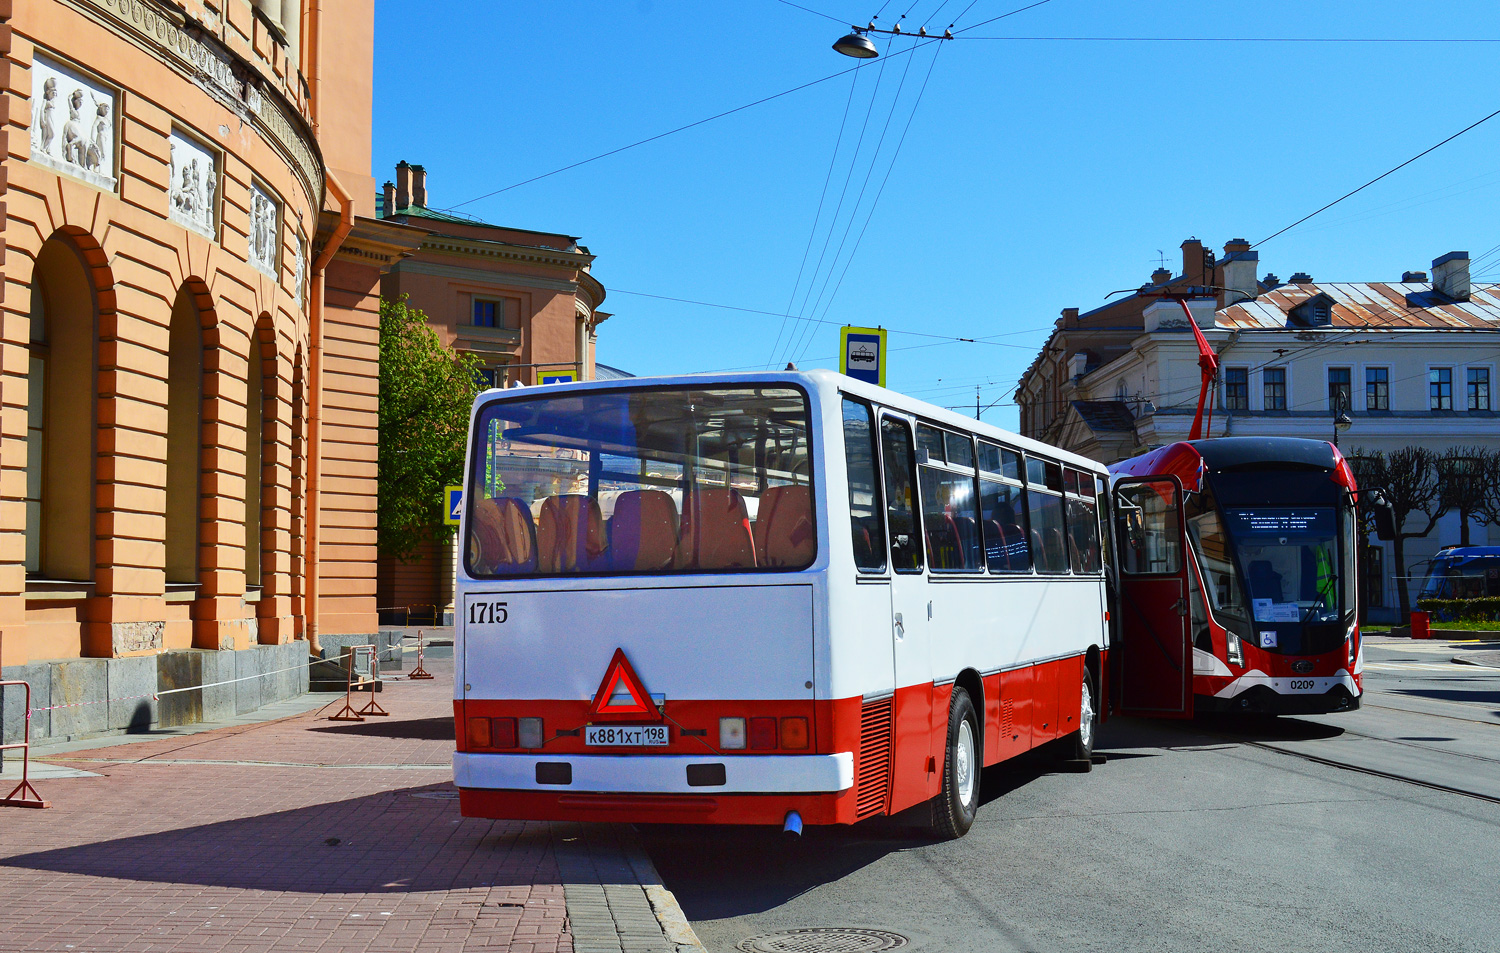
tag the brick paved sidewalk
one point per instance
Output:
(311, 835)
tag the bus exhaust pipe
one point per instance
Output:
(793, 824)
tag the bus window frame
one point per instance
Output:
(878, 459)
(1090, 499)
(998, 476)
(1061, 495)
(910, 424)
(476, 441)
(958, 469)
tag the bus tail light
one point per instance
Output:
(479, 733)
(762, 733)
(794, 734)
(1233, 649)
(505, 732)
(731, 733)
(530, 733)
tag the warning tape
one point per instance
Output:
(156, 696)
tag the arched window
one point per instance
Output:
(261, 342)
(299, 488)
(60, 417)
(184, 437)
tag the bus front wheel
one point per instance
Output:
(1080, 745)
(953, 815)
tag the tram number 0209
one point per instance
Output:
(481, 613)
(1302, 684)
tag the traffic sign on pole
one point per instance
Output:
(862, 354)
(558, 377)
(453, 498)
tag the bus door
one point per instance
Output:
(911, 611)
(1154, 661)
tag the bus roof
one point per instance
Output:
(826, 382)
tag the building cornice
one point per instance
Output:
(203, 60)
(484, 275)
(371, 241)
(502, 251)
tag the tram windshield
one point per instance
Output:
(1277, 575)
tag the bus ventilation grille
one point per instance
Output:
(1007, 719)
(872, 776)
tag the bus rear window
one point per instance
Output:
(641, 481)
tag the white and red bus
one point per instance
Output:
(1259, 615)
(766, 598)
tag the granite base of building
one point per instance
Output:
(74, 699)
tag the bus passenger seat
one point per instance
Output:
(715, 532)
(784, 532)
(570, 535)
(503, 538)
(643, 532)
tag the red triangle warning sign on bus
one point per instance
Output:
(621, 696)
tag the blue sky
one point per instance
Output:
(1035, 175)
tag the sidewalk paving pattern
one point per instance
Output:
(312, 835)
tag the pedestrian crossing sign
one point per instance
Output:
(559, 377)
(453, 497)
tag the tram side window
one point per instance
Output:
(900, 493)
(1083, 523)
(1044, 481)
(1002, 512)
(950, 510)
(865, 523)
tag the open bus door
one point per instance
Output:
(1154, 667)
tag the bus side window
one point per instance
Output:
(865, 523)
(900, 495)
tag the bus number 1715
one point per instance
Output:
(487, 612)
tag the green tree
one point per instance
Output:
(1410, 480)
(426, 391)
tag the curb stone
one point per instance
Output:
(615, 900)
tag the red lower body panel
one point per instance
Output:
(658, 808)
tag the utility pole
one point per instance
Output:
(976, 401)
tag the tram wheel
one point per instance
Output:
(1080, 744)
(954, 812)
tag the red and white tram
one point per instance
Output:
(766, 598)
(1260, 614)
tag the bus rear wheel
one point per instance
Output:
(1080, 745)
(954, 812)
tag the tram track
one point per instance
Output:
(1372, 772)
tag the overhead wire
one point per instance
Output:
(813, 232)
(812, 11)
(1233, 39)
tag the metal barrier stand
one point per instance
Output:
(18, 795)
(419, 671)
(370, 676)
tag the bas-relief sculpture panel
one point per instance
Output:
(72, 123)
(194, 185)
(265, 231)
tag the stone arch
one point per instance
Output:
(72, 290)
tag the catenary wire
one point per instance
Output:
(1231, 39)
(812, 11)
(813, 232)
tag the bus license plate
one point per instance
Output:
(609, 735)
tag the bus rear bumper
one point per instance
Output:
(657, 774)
(769, 809)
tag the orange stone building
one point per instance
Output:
(521, 301)
(188, 383)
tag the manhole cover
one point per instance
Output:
(437, 795)
(824, 940)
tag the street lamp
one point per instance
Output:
(857, 45)
(1341, 419)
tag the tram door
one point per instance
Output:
(1155, 656)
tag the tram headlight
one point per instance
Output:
(529, 732)
(1233, 650)
(731, 732)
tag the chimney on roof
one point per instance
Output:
(1193, 254)
(1161, 276)
(388, 199)
(1271, 280)
(419, 186)
(403, 184)
(1069, 318)
(1408, 277)
(1301, 278)
(1450, 275)
(1240, 265)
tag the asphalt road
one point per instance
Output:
(1202, 836)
